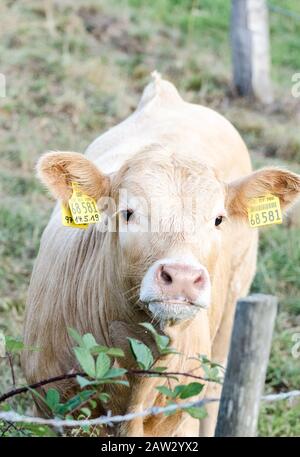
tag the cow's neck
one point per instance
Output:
(101, 301)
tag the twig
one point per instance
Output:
(10, 361)
(63, 377)
(36, 385)
(167, 374)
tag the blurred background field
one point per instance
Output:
(74, 69)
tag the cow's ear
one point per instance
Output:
(275, 181)
(57, 170)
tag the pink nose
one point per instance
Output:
(180, 281)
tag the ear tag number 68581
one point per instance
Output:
(264, 211)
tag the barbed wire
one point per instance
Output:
(281, 396)
(283, 11)
(14, 417)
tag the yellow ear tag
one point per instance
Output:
(264, 211)
(83, 208)
(67, 219)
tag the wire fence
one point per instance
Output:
(14, 417)
(283, 11)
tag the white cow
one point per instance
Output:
(171, 162)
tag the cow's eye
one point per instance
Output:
(218, 221)
(126, 214)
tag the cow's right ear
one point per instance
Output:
(57, 170)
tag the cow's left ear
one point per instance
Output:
(281, 183)
(57, 170)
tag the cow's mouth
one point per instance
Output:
(171, 310)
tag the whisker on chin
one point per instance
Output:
(132, 289)
(133, 297)
(131, 275)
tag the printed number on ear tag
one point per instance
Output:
(83, 208)
(67, 219)
(264, 211)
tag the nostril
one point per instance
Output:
(198, 281)
(166, 277)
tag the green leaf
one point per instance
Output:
(75, 335)
(13, 344)
(86, 361)
(115, 352)
(162, 341)
(76, 401)
(83, 382)
(114, 372)
(37, 394)
(93, 404)
(203, 359)
(169, 351)
(142, 353)
(212, 373)
(149, 327)
(89, 341)
(189, 390)
(102, 365)
(97, 349)
(104, 397)
(86, 411)
(5, 407)
(196, 412)
(182, 391)
(167, 392)
(37, 430)
(52, 398)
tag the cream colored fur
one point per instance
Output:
(81, 280)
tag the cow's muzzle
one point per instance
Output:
(174, 290)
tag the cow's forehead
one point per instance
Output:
(171, 177)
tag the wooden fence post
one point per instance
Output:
(250, 49)
(247, 364)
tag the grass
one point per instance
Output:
(75, 69)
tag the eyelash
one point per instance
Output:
(126, 214)
(219, 220)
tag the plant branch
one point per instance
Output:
(36, 385)
(63, 377)
(10, 361)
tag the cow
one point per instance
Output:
(117, 273)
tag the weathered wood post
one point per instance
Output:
(247, 365)
(251, 49)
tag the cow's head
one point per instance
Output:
(170, 213)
